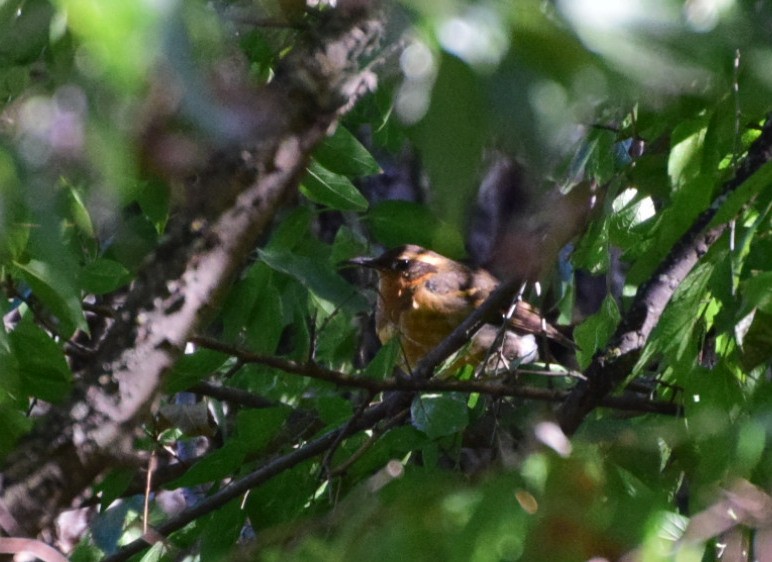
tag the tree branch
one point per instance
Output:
(489, 387)
(181, 285)
(609, 368)
(373, 415)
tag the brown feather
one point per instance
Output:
(424, 296)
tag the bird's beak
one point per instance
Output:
(362, 261)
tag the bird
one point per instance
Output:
(423, 296)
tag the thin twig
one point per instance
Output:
(378, 432)
(233, 395)
(344, 431)
(484, 386)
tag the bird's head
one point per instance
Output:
(408, 263)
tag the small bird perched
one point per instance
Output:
(423, 297)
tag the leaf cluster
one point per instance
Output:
(282, 429)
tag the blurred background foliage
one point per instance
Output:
(552, 140)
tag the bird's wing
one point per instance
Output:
(450, 292)
(528, 319)
(525, 318)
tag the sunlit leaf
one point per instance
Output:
(674, 333)
(757, 293)
(758, 182)
(686, 155)
(121, 38)
(593, 334)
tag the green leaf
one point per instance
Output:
(156, 553)
(602, 163)
(685, 160)
(315, 276)
(649, 175)
(322, 186)
(134, 239)
(592, 253)
(292, 230)
(757, 183)
(674, 332)
(192, 368)
(629, 210)
(24, 29)
(80, 215)
(14, 424)
(347, 244)
(121, 37)
(103, 275)
(396, 443)
(241, 300)
(693, 197)
(757, 342)
(221, 531)
(451, 137)
(153, 198)
(438, 415)
(382, 365)
(114, 485)
(10, 380)
(394, 223)
(336, 343)
(333, 410)
(343, 154)
(266, 321)
(283, 497)
(54, 290)
(216, 465)
(256, 427)
(42, 368)
(757, 293)
(593, 334)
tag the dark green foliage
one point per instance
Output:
(85, 94)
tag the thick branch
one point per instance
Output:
(610, 367)
(184, 281)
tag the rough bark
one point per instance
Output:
(185, 279)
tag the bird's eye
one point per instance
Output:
(402, 265)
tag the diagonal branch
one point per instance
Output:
(182, 284)
(369, 418)
(610, 367)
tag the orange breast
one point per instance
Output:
(419, 325)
